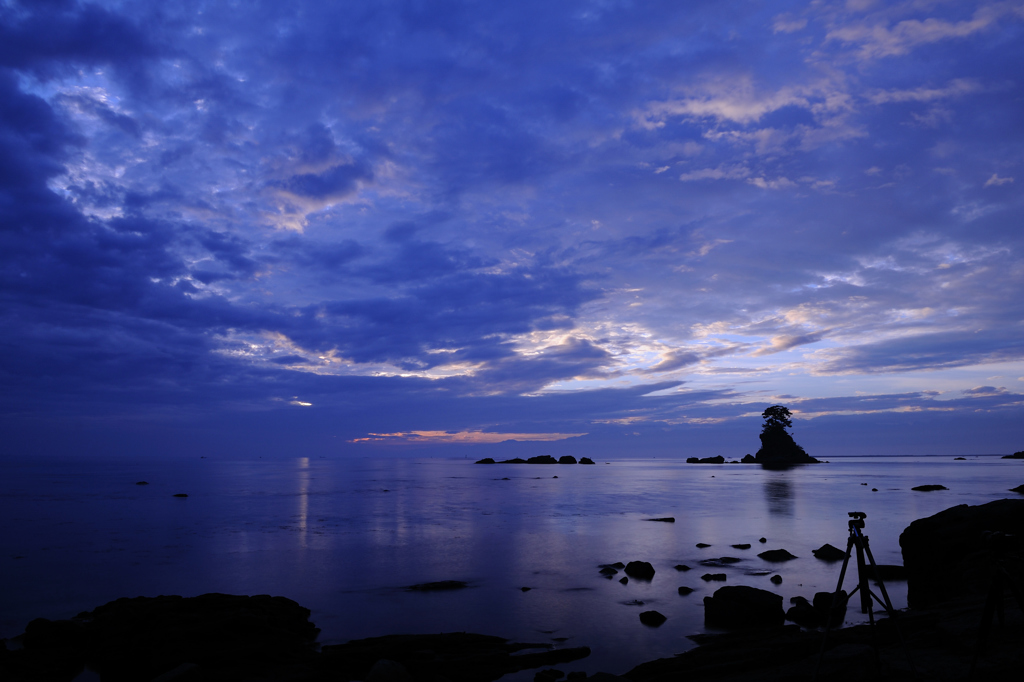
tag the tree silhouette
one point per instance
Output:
(776, 418)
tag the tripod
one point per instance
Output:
(860, 541)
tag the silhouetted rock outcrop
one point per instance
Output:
(949, 556)
(929, 488)
(485, 460)
(718, 459)
(741, 606)
(566, 459)
(1016, 455)
(542, 459)
(778, 447)
(586, 460)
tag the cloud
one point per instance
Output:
(466, 437)
(784, 343)
(996, 181)
(876, 38)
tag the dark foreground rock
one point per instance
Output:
(220, 637)
(227, 636)
(741, 606)
(952, 554)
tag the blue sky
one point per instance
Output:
(617, 228)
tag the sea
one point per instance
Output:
(346, 538)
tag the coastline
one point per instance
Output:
(231, 637)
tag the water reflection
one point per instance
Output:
(779, 494)
(303, 515)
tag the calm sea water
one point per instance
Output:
(346, 537)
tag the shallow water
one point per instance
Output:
(345, 537)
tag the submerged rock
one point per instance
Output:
(740, 606)
(716, 577)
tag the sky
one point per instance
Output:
(469, 228)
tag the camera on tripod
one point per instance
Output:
(857, 519)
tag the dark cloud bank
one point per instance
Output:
(278, 231)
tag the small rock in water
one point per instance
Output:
(623, 580)
(608, 570)
(684, 567)
(776, 579)
(828, 553)
(702, 545)
(652, 618)
(741, 546)
(683, 590)
(141, 482)
(586, 460)
(635, 602)
(708, 577)
(438, 586)
(960, 458)
(665, 519)
(929, 488)
(776, 555)
(180, 495)
(640, 570)
(525, 589)
(763, 540)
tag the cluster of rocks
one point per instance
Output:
(539, 459)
